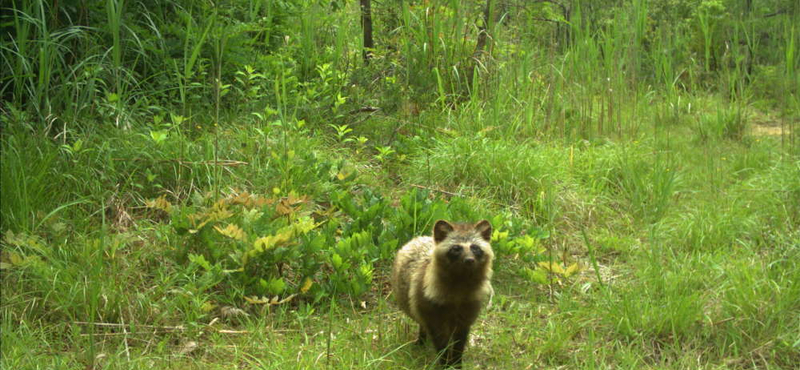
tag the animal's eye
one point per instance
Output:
(454, 252)
(476, 250)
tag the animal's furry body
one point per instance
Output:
(442, 282)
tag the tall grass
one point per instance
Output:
(36, 57)
(27, 176)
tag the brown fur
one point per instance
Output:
(442, 282)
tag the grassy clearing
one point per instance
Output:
(696, 268)
(193, 186)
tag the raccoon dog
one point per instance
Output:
(442, 281)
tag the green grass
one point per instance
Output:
(662, 160)
(699, 271)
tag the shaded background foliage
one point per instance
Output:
(116, 60)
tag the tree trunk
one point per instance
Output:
(366, 24)
(483, 30)
(480, 45)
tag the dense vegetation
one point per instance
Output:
(198, 184)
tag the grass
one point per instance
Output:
(662, 160)
(700, 271)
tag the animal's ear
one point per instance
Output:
(484, 228)
(441, 229)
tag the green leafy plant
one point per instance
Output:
(252, 237)
(385, 153)
(341, 133)
(278, 246)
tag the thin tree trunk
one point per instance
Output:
(483, 30)
(366, 24)
(483, 36)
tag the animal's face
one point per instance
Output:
(463, 246)
(467, 254)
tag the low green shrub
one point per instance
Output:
(282, 246)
